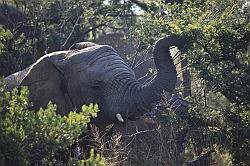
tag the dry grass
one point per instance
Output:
(109, 145)
(146, 141)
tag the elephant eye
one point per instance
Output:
(96, 85)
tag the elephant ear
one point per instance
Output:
(46, 83)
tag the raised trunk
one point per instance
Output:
(166, 77)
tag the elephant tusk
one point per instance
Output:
(119, 117)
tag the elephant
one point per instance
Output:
(14, 80)
(97, 74)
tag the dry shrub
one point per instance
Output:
(146, 141)
(109, 144)
(152, 141)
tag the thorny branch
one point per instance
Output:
(141, 132)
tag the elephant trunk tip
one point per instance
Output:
(166, 42)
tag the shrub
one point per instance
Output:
(29, 137)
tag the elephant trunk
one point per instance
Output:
(166, 72)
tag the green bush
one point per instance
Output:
(218, 55)
(28, 137)
(16, 52)
(93, 160)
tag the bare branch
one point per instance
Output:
(143, 77)
(76, 23)
(141, 132)
(150, 79)
(176, 55)
(139, 64)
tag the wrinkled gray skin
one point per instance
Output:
(127, 47)
(97, 74)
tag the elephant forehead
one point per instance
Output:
(99, 62)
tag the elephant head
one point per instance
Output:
(97, 74)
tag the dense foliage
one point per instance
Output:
(218, 54)
(54, 25)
